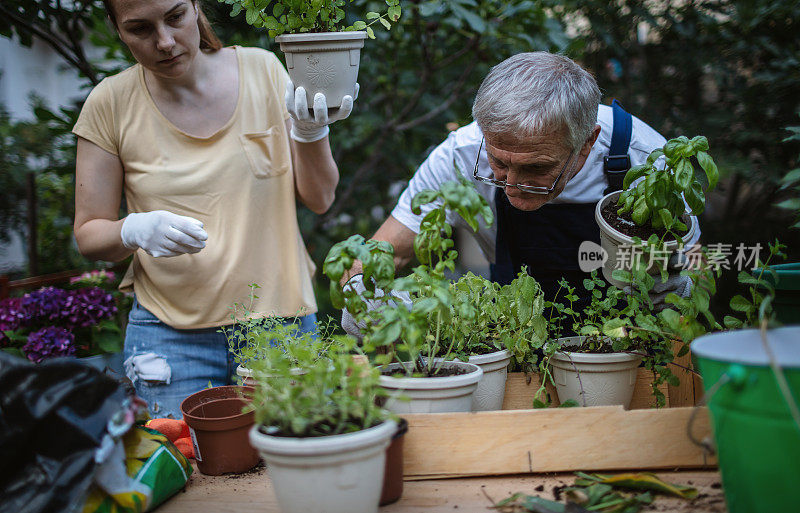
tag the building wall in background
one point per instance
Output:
(38, 70)
(24, 71)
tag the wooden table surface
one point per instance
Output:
(253, 491)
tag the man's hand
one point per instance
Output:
(163, 234)
(675, 283)
(356, 283)
(306, 129)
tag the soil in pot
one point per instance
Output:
(443, 373)
(393, 472)
(624, 224)
(219, 430)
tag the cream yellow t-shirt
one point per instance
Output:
(239, 182)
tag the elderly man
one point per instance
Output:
(540, 151)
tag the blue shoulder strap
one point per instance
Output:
(617, 163)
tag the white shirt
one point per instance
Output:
(587, 186)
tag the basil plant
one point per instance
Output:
(659, 197)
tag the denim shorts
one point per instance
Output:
(167, 365)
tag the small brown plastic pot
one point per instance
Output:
(393, 473)
(220, 430)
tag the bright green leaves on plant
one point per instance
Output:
(684, 173)
(295, 16)
(634, 173)
(708, 165)
(659, 198)
(696, 198)
(641, 212)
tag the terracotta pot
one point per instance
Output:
(393, 472)
(220, 430)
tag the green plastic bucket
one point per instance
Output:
(787, 292)
(758, 441)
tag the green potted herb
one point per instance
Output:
(653, 209)
(419, 357)
(321, 432)
(250, 337)
(506, 323)
(617, 331)
(322, 51)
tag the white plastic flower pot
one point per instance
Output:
(246, 375)
(611, 240)
(324, 62)
(594, 379)
(334, 474)
(492, 387)
(248, 379)
(431, 395)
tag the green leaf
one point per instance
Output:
(665, 217)
(700, 143)
(359, 25)
(641, 212)
(790, 204)
(684, 174)
(740, 304)
(634, 173)
(696, 198)
(372, 15)
(251, 16)
(474, 21)
(394, 12)
(708, 165)
(614, 328)
(385, 23)
(647, 481)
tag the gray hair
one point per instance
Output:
(536, 91)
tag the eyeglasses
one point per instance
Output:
(502, 184)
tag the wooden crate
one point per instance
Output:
(441, 445)
(519, 439)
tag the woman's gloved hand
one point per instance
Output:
(305, 128)
(163, 234)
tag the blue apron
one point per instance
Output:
(547, 240)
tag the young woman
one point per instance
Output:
(211, 147)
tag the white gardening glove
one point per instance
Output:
(356, 283)
(306, 129)
(163, 234)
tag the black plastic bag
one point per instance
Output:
(53, 417)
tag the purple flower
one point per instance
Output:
(87, 306)
(12, 315)
(44, 305)
(49, 342)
